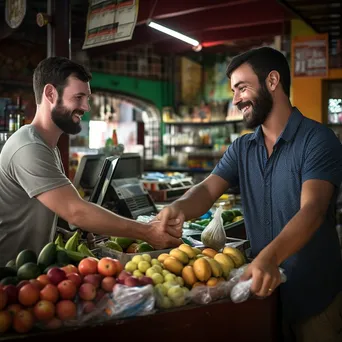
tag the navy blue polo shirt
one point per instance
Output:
(270, 192)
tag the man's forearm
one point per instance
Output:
(295, 234)
(95, 219)
(195, 202)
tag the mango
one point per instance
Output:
(162, 257)
(188, 250)
(226, 263)
(216, 269)
(179, 255)
(196, 250)
(212, 281)
(202, 269)
(209, 252)
(189, 276)
(236, 255)
(173, 265)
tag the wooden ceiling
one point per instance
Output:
(215, 23)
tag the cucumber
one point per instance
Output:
(9, 281)
(47, 256)
(29, 271)
(7, 272)
(24, 257)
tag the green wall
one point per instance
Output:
(160, 93)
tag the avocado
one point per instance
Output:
(29, 271)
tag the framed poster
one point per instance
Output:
(310, 56)
(110, 21)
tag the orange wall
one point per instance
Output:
(307, 92)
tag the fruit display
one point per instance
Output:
(66, 284)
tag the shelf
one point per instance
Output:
(190, 145)
(211, 123)
(177, 169)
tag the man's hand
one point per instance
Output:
(160, 236)
(172, 219)
(265, 274)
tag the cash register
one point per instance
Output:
(119, 188)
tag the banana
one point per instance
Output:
(59, 241)
(75, 256)
(83, 248)
(236, 255)
(216, 269)
(72, 243)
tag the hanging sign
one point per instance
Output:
(110, 21)
(310, 56)
(15, 11)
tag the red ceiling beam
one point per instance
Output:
(229, 35)
(169, 8)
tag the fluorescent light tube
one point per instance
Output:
(173, 33)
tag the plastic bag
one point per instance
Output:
(241, 290)
(131, 301)
(213, 235)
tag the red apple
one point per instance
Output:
(75, 278)
(22, 283)
(12, 294)
(67, 289)
(87, 291)
(87, 306)
(132, 281)
(99, 295)
(56, 275)
(107, 267)
(44, 310)
(94, 279)
(66, 310)
(3, 299)
(145, 281)
(108, 283)
(23, 321)
(53, 324)
(124, 274)
(5, 321)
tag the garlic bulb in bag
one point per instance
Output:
(213, 235)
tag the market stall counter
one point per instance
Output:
(253, 320)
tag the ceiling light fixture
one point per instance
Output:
(173, 33)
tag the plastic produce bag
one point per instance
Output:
(214, 235)
(241, 290)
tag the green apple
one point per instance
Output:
(147, 257)
(137, 259)
(143, 266)
(157, 268)
(131, 266)
(169, 277)
(165, 272)
(180, 281)
(157, 278)
(138, 274)
(150, 272)
(155, 262)
(169, 284)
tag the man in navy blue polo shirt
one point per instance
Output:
(288, 171)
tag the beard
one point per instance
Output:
(261, 107)
(63, 118)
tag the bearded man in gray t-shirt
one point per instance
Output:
(33, 186)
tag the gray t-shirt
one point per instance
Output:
(28, 168)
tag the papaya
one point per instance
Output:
(29, 271)
(7, 272)
(9, 281)
(11, 264)
(62, 258)
(24, 257)
(124, 242)
(47, 256)
(144, 247)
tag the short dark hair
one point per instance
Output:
(55, 71)
(263, 60)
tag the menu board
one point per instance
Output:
(310, 56)
(110, 21)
